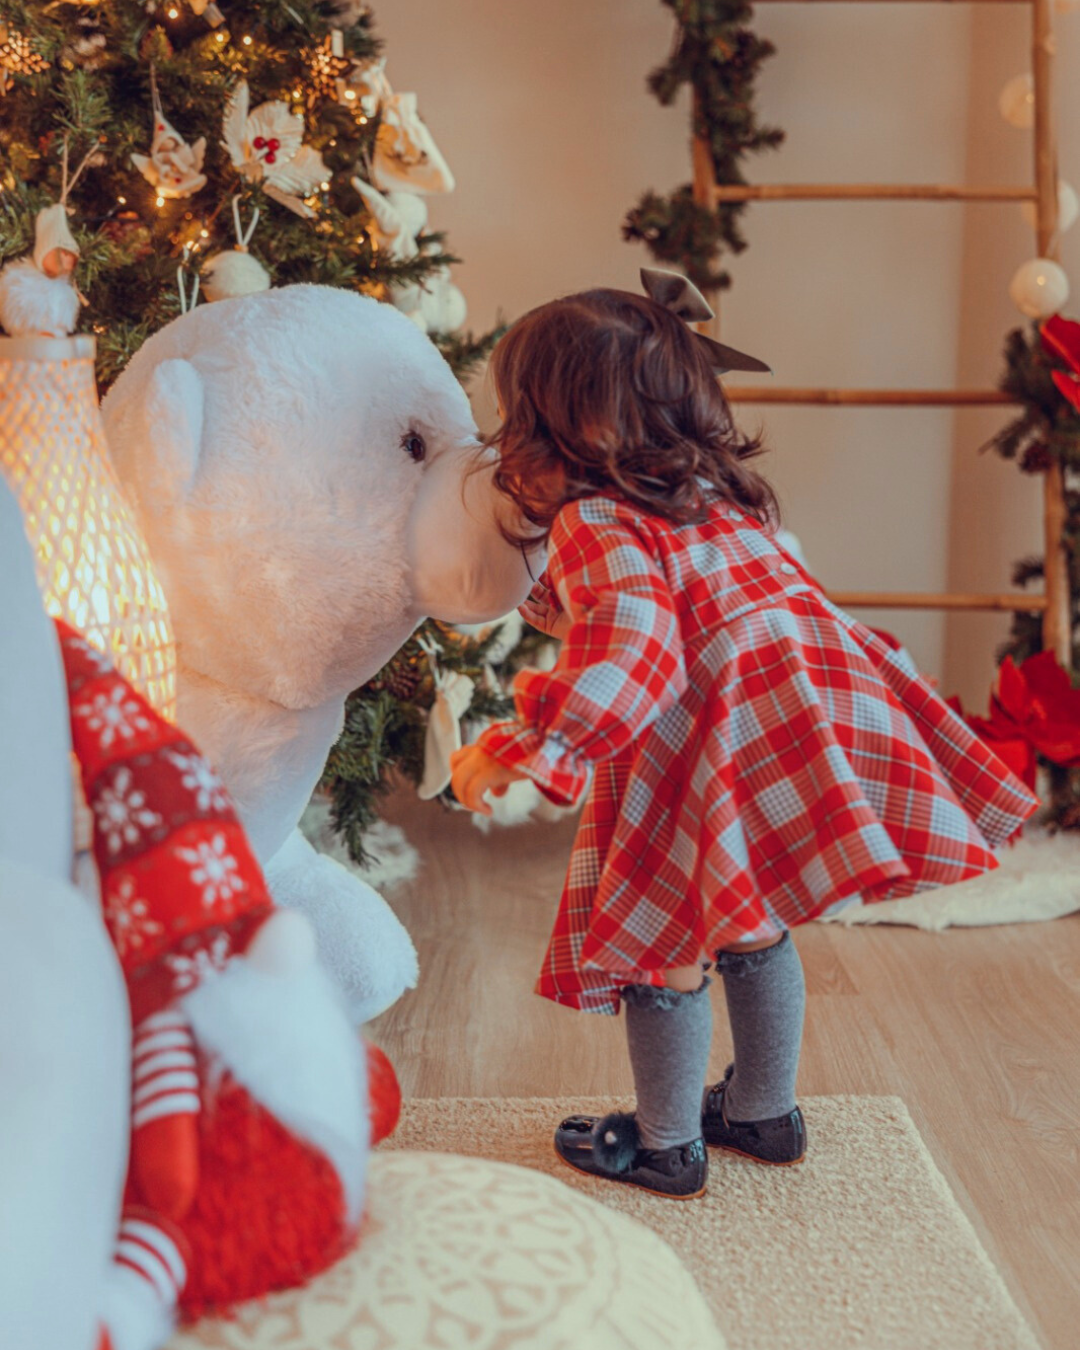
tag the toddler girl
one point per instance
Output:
(755, 754)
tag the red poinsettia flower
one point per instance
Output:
(1034, 711)
(1061, 338)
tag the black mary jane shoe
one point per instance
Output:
(610, 1147)
(780, 1140)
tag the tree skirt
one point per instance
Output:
(1039, 878)
(393, 858)
(862, 1247)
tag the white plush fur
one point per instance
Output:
(299, 545)
(360, 940)
(287, 1040)
(1038, 878)
(31, 302)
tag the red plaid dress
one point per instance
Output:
(756, 754)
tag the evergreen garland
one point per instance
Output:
(718, 57)
(88, 80)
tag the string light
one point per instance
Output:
(222, 37)
(174, 13)
(160, 202)
(122, 201)
(350, 95)
(247, 39)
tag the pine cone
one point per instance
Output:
(401, 679)
(1036, 459)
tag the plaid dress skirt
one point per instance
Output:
(755, 755)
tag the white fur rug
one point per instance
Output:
(394, 858)
(1039, 878)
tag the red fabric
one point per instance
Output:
(1061, 338)
(384, 1094)
(269, 1212)
(1034, 711)
(180, 887)
(757, 754)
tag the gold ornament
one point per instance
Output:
(327, 70)
(18, 55)
(93, 565)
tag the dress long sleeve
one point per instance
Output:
(621, 664)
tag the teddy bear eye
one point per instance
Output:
(413, 444)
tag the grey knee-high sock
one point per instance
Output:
(669, 1034)
(766, 1003)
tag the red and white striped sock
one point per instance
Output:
(165, 1081)
(164, 1114)
(148, 1275)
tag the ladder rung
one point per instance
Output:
(917, 600)
(925, 398)
(868, 192)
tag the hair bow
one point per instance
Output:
(678, 294)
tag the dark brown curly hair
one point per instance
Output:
(608, 393)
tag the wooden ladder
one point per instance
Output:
(1054, 602)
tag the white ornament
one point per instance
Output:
(1068, 208)
(173, 167)
(453, 695)
(38, 293)
(235, 272)
(1016, 102)
(442, 304)
(406, 156)
(367, 87)
(1039, 289)
(267, 147)
(390, 229)
(412, 210)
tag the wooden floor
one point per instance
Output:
(978, 1031)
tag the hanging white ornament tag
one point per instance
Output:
(453, 695)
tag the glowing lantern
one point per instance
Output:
(94, 568)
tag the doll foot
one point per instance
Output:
(610, 1147)
(780, 1141)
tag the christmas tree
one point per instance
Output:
(240, 145)
(718, 57)
(187, 119)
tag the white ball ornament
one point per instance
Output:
(1068, 208)
(233, 273)
(1016, 102)
(1039, 289)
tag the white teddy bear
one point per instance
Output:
(306, 471)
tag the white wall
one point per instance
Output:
(542, 112)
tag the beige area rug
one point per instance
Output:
(1038, 878)
(862, 1247)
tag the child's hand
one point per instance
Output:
(545, 616)
(475, 773)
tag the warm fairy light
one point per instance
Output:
(350, 94)
(160, 202)
(93, 565)
(221, 37)
(122, 201)
(247, 40)
(325, 187)
(298, 93)
(204, 234)
(174, 13)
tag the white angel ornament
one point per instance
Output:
(266, 145)
(366, 86)
(391, 227)
(406, 156)
(172, 167)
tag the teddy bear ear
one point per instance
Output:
(174, 424)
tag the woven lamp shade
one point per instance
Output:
(93, 566)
